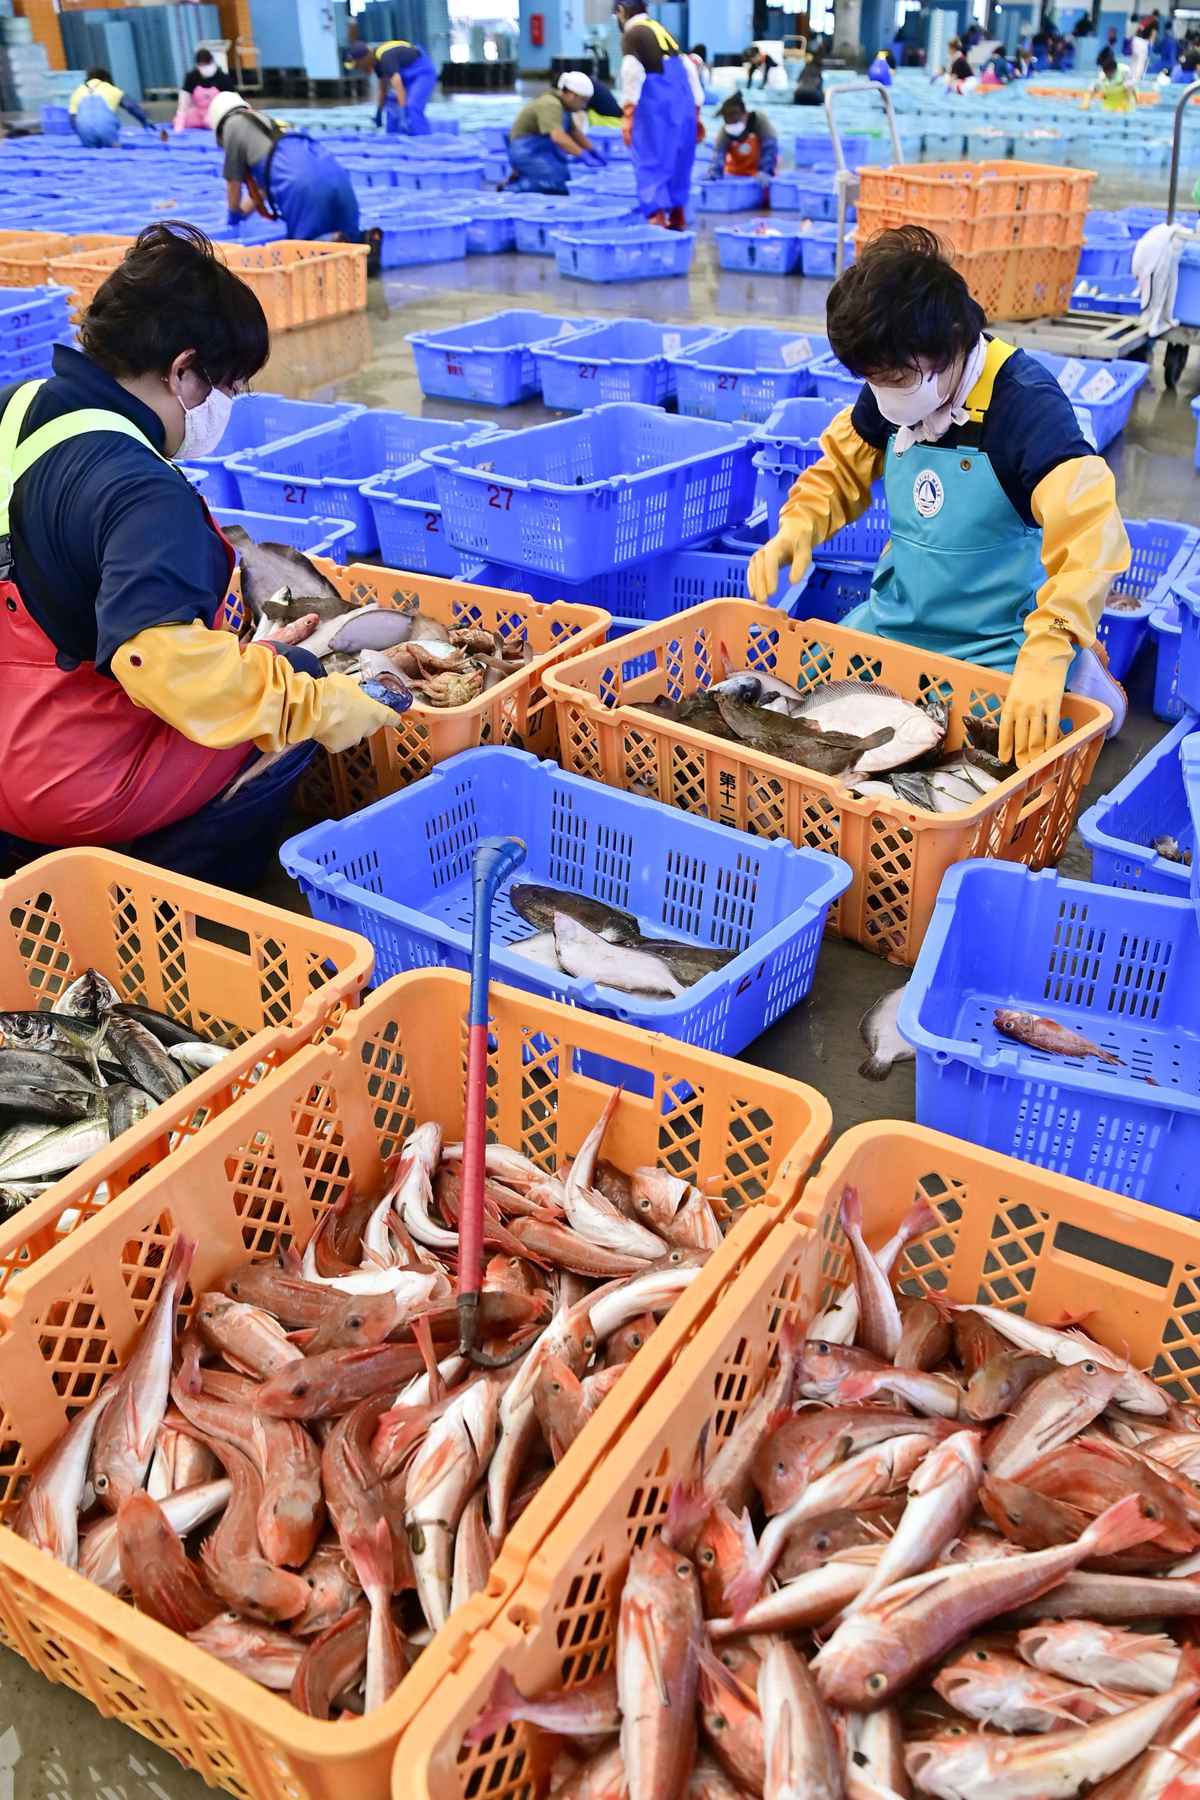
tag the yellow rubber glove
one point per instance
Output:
(1029, 721)
(221, 693)
(791, 547)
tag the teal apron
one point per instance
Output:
(963, 569)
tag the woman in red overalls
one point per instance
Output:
(127, 706)
(746, 143)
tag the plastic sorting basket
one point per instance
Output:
(1109, 412)
(831, 380)
(30, 318)
(401, 871)
(256, 421)
(772, 248)
(898, 853)
(980, 205)
(408, 521)
(1005, 1233)
(1161, 551)
(517, 710)
(744, 374)
(488, 360)
(628, 359)
(534, 229)
(818, 254)
(630, 253)
(730, 194)
(809, 192)
(263, 981)
(1186, 592)
(1189, 754)
(261, 1177)
(324, 470)
(588, 495)
(1120, 967)
(1167, 633)
(316, 537)
(25, 256)
(862, 539)
(403, 243)
(1120, 297)
(1151, 802)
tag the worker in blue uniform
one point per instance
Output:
(95, 108)
(1006, 536)
(286, 174)
(661, 99)
(547, 136)
(407, 78)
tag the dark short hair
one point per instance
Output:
(733, 108)
(901, 306)
(1106, 60)
(98, 75)
(700, 50)
(170, 293)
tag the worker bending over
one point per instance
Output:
(407, 78)
(129, 708)
(1114, 85)
(1006, 536)
(661, 99)
(286, 174)
(746, 143)
(94, 109)
(547, 136)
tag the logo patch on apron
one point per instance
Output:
(928, 494)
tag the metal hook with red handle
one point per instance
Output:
(494, 860)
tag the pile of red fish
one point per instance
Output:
(944, 1551)
(296, 1481)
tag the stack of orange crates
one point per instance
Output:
(1015, 228)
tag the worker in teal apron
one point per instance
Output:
(1006, 537)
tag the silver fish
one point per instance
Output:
(881, 1034)
(87, 997)
(863, 708)
(143, 1057)
(55, 1149)
(198, 1055)
(126, 1106)
(952, 788)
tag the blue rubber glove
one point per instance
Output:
(591, 160)
(399, 699)
(233, 216)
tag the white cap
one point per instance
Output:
(221, 108)
(574, 81)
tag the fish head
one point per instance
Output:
(957, 1761)
(628, 1339)
(863, 1665)
(28, 1030)
(657, 1195)
(144, 1536)
(720, 1549)
(820, 1366)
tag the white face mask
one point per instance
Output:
(204, 425)
(737, 129)
(908, 405)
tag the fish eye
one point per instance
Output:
(355, 1322)
(1090, 1368)
(636, 1340)
(781, 1468)
(1149, 1509)
(589, 1343)
(859, 1758)
(708, 1557)
(821, 1543)
(822, 1349)
(556, 1387)
(683, 1570)
(235, 1288)
(876, 1682)
(101, 1484)
(956, 1731)
(982, 1656)
(643, 1205)
(300, 1389)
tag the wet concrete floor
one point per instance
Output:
(53, 1746)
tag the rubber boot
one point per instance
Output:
(657, 218)
(677, 219)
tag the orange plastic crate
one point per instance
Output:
(517, 711)
(265, 1172)
(297, 283)
(1008, 1234)
(1027, 281)
(27, 263)
(265, 981)
(898, 853)
(925, 192)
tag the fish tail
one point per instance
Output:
(179, 1262)
(875, 1068)
(371, 1555)
(505, 1702)
(850, 1212)
(1120, 1528)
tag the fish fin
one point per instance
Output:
(422, 1332)
(179, 1262)
(850, 1212)
(853, 1388)
(1120, 1528)
(875, 1068)
(303, 1338)
(371, 1555)
(920, 1218)
(290, 1260)
(1110, 1056)
(687, 1509)
(504, 1704)
(639, 1618)
(746, 1586)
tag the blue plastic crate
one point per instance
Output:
(1162, 550)
(535, 224)
(863, 540)
(1106, 259)
(1150, 802)
(831, 380)
(490, 230)
(57, 121)
(1109, 415)
(1187, 292)
(422, 240)
(766, 249)
(744, 374)
(831, 589)
(791, 433)
(488, 359)
(1189, 757)
(626, 360)
(1123, 968)
(1196, 416)
(440, 177)
(1166, 631)
(400, 872)
(316, 537)
(323, 471)
(731, 193)
(819, 254)
(626, 253)
(408, 521)
(30, 317)
(1187, 596)
(810, 193)
(256, 421)
(585, 496)
(1107, 297)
